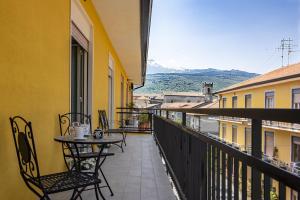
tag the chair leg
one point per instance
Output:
(111, 192)
(100, 192)
(45, 197)
(124, 138)
(78, 193)
(96, 192)
(74, 192)
(120, 146)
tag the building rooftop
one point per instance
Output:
(190, 94)
(180, 105)
(291, 72)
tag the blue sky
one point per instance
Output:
(224, 34)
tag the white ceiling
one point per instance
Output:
(121, 20)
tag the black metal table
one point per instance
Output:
(70, 141)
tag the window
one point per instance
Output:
(295, 149)
(110, 90)
(234, 102)
(224, 131)
(269, 99)
(224, 100)
(234, 134)
(296, 98)
(269, 143)
(248, 139)
(248, 99)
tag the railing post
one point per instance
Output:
(167, 114)
(183, 119)
(256, 152)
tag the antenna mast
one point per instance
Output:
(286, 44)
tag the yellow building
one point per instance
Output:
(277, 89)
(59, 56)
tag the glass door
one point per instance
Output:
(79, 78)
(269, 143)
(110, 96)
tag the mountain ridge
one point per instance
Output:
(160, 79)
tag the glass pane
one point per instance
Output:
(234, 134)
(248, 101)
(296, 149)
(269, 143)
(247, 139)
(224, 131)
(234, 102)
(224, 103)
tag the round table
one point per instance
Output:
(107, 139)
(72, 143)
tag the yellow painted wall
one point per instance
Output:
(35, 80)
(34, 83)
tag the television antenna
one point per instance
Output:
(286, 44)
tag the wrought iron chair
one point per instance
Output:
(104, 125)
(85, 151)
(43, 186)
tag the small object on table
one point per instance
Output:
(98, 133)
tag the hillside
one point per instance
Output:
(190, 79)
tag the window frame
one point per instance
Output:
(232, 128)
(236, 98)
(265, 143)
(292, 96)
(248, 95)
(266, 92)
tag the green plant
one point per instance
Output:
(143, 118)
(130, 105)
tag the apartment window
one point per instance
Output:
(269, 99)
(224, 131)
(234, 102)
(269, 143)
(296, 98)
(224, 100)
(248, 139)
(234, 134)
(248, 101)
(295, 149)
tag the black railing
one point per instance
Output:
(135, 120)
(206, 167)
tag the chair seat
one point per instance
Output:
(90, 155)
(64, 181)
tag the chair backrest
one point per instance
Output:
(66, 120)
(25, 149)
(102, 120)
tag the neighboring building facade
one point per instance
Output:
(183, 97)
(277, 89)
(65, 56)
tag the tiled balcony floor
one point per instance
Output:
(136, 174)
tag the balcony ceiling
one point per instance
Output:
(121, 20)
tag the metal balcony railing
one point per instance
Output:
(204, 166)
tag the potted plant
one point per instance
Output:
(143, 121)
(128, 119)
